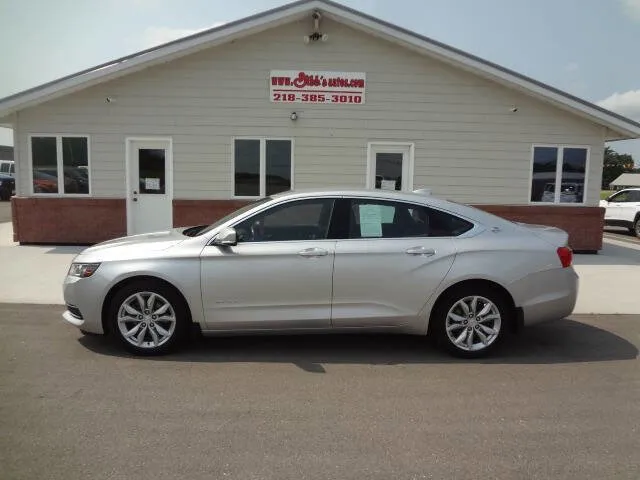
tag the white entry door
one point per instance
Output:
(390, 166)
(149, 196)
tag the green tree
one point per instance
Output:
(615, 164)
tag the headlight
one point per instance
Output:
(83, 270)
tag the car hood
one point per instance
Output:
(134, 246)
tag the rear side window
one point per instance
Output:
(626, 196)
(387, 219)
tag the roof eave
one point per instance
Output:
(625, 127)
(156, 55)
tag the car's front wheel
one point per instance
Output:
(636, 228)
(471, 321)
(148, 318)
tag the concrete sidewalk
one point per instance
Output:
(609, 281)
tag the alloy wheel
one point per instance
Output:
(146, 320)
(473, 323)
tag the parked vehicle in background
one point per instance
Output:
(8, 167)
(7, 186)
(75, 179)
(44, 183)
(622, 209)
(569, 193)
(337, 261)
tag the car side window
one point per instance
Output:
(621, 197)
(387, 219)
(297, 220)
(635, 196)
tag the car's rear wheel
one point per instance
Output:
(148, 318)
(471, 321)
(636, 228)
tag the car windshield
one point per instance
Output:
(228, 217)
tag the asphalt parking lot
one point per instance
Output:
(562, 401)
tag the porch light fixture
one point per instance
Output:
(317, 34)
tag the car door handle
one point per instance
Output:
(423, 251)
(313, 252)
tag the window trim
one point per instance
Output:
(558, 180)
(395, 147)
(59, 165)
(263, 165)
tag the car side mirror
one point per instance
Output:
(228, 237)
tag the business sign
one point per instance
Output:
(295, 86)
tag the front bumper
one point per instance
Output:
(85, 295)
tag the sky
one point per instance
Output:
(589, 48)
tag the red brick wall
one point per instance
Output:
(86, 221)
(584, 224)
(202, 212)
(67, 220)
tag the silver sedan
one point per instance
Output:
(335, 261)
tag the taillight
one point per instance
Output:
(565, 254)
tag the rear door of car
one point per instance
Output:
(389, 262)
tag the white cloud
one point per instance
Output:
(632, 7)
(153, 36)
(627, 103)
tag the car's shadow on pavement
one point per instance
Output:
(563, 341)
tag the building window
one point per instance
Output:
(60, 164)
(559, 174)
(262, 166)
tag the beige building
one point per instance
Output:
(309, 95)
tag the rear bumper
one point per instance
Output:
(548, 295)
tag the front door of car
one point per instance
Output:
(619, 206)
(396, 256)
(279, 274)
(629, 209)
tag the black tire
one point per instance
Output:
(451, 299)
(163, 293)
(636, 228)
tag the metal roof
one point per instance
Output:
(627, 180)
